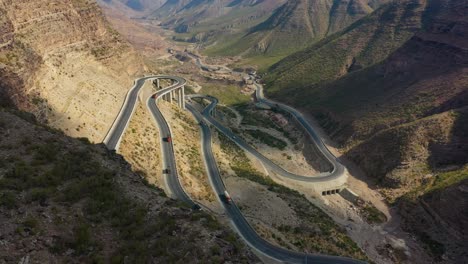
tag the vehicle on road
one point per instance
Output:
(166, 171)
(225, 197)
(196, 207)
(168, 139)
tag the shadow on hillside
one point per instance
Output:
(8, 79)
(454, 152)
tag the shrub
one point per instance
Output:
(8, 199)
(82, 238)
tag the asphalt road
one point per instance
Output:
(117, 130)
(338, 168)
(240, 223)
(169, 161)
(119, 126)
(115, 133)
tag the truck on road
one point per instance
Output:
(225, 197)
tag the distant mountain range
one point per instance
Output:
(136, 5)
(297, 24)
(253, 27)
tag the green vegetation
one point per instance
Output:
(254, 118)
(364, 43)
(267, 139)
(440, 181)
(434, 247)
(226, 94)
(226, 111)
(437, 183)
(373, 215)
(29, 225)
(71, 181)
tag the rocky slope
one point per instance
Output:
(403, 120)
(63, 200)
(368, 41)
(208, 21)
(144, 38)
(437, 214)
(260, 27)
(62, 61)
(305, 21)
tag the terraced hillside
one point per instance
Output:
(55, 54)
(401, 117)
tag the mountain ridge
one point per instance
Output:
(401, 118)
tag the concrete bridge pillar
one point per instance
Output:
(170, 96)
(179, 95)
(157, 84)
(183, 97)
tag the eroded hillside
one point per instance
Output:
(366, 42)
(403, 120)
(62, 61)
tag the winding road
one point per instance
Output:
(239, 222)
(115, 134)
(337, 171)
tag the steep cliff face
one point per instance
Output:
(62, 61)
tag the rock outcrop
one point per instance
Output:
(62, 61)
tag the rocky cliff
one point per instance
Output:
(62, 61)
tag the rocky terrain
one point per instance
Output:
(403, 119)
(62, 61)
(135, 6)
(364, 43)
(390, 89)
(305, 21)
(144, 37)
(65, 200)
(249, 28)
